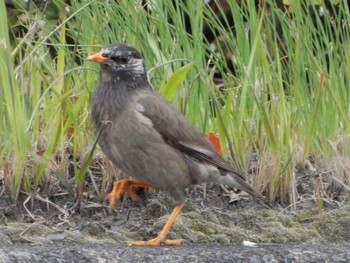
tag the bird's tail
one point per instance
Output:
(243, 185)
(233, 180)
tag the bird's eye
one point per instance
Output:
(124, 60)
(121, 60)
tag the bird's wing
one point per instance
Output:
(177, 131)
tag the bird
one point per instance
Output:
(145, 136)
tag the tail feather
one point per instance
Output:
(232, 180)
(243, 185)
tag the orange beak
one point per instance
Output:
(96, 57)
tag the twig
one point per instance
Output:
(93, 182)
(65, 212)
(25, 207)
(26, 238)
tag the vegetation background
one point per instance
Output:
(272, 82)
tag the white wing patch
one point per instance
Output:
(141, 117)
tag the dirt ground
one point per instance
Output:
(211, 217)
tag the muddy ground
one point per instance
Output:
(47, 227)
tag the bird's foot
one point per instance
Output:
(155, 242)
(127, 185)
(161, 238)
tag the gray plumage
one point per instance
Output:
(146, 137)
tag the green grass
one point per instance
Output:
(287, 99)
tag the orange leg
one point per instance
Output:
(161, 238)
(125, 185)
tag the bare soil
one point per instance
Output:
(212, 218)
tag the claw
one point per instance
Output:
(155, 242)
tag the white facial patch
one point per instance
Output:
(141, 117)
(136, 65)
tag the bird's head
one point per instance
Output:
(116, 59)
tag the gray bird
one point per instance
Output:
(146, 137)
